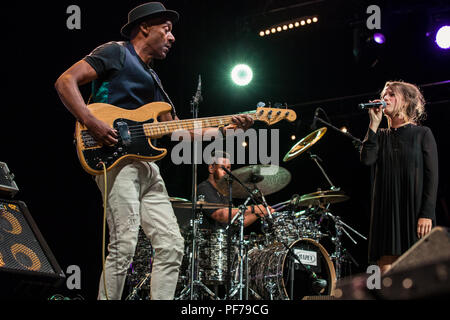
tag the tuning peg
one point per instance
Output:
(260, 104)
(277, 105)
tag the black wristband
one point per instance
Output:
(253, 209)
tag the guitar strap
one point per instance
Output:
(166, 96)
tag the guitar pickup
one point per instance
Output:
(124, 132)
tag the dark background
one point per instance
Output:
(328, 65)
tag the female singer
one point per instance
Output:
(405, 163)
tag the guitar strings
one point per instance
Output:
(169, 125)
(186, 125)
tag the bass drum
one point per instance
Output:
(275, 275)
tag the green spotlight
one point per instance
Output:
(241, 74)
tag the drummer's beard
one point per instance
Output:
(217, 176)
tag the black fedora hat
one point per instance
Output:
(147, 10)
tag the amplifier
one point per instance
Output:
(7, 184)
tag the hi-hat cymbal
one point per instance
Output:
(200, 205)
(322, 197)
(304, 144)
(267, 178)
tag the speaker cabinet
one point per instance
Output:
(422, 272)
(27, 266)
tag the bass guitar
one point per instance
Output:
(137, 127)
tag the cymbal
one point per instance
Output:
(304, 144)
(200, 205)
(322, 197)
(267, 178)
(177, 199)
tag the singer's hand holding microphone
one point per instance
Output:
(375, 109)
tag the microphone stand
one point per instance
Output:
(240, 214)
(230, 210)
(356, 141)
(194, 110)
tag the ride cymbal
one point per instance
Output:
(267, 178)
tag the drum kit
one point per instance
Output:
(287, 261)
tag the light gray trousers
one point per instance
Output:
(136, 195)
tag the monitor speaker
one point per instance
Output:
(422, 272)
(435, 246)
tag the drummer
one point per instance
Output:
(218, 219)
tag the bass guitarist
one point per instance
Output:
(122, 76)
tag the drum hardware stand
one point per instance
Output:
(194, 282)
(340, 228)
(270, 286)
(240, 215)
(312, 274)
(339, 224)
(316, 159)
(240, 286)
(134, 293)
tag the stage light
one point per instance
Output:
(241, 74)
(443, 37)
(244, 144)
(379, 38)
(290, 24)
(261, 33)
(293, 137)
(344, 129)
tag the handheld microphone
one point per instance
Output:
(369, 105)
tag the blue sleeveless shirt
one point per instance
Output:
(124, 80)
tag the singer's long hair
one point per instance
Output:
(410, 104)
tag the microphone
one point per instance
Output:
(369, 105)
(317, 284)
(313, 125)
(198, 94)
(226, 170)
